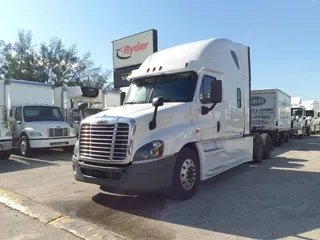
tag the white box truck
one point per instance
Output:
(312, 109)
(34, 121)
(70, 98)
(186, 118)
(299, 123)
(5, 132)
(271, 113)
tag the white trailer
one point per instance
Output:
(299, 124)
(312, 110)
(111, 98)
(186, 115)
(271, 113)
(34, 121)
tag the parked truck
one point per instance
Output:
(185, 118)
(34, 121)
(312, 109)
(299, 125)
(68, 99)
(271, 113)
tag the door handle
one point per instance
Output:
(218, 126)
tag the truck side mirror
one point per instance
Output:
(304, 118)
(157, 102)
(122, 97)
(216, 91)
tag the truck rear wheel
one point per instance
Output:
(5, 155)
(278, 142)
(24, 147)
(267, 145)
(287, 137)
(186, 176)
(257, 149)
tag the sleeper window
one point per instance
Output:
(205, 89)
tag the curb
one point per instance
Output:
(78, 227)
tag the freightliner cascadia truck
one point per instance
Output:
(186, 117)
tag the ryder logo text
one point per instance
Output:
(126, 52)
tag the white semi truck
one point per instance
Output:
(34, 121)
(299, 123)
(185, 118)
(312, 110)
(70, 98)
(271, 113)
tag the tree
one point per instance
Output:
(50, 63)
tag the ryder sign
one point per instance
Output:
(133, 50)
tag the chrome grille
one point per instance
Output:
(58, 132)
(104, 142)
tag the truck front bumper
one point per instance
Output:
(134, 178)
(5, 145)
(296, 132)
(52, 142)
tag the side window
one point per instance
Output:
(18, 114)
(239, 97)
(205, 89)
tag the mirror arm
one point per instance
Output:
(153, 123)
(207, 109)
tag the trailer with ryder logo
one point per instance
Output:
(271, 114)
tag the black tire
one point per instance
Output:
(24, 147)
(308, 131)
(278, 142)
(257, 149)
(188, 169)
(5, 155)
(68, 149)
(267, 145)
(287, 138)
(301, 135)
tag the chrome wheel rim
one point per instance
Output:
(23, 146)
(188, 174)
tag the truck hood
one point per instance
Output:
(134, 110)
(47, 124)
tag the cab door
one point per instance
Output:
(211, 123)
(17, 122)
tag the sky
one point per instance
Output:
(283, 35)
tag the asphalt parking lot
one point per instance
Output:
(278, 199)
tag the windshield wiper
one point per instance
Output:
(130, 103)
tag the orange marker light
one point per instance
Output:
(148, 69)
(154, 69)
(160, 68)
(197, 130)
(186, 64)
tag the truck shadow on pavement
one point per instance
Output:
(41, 158)
(274, 199)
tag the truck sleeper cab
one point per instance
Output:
(38, 126)
(185, 118)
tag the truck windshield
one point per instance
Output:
(178, 87)
(310, 113)
(296, 112)
(91, 111)
(42, 113)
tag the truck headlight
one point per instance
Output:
(73, 132)
(35, 134)
(76, 149)
(8, 134)
(151, 150)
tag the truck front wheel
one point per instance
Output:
(186, 176)
(24, 146)
(257, 149)
(267, 145)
